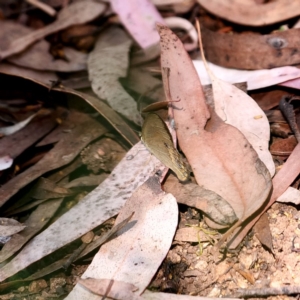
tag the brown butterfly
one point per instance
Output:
(157, 139)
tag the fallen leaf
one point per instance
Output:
(34, 224)
(106, 64)
(281, 182)
(291, 195)
(251, 14)
(9, 227)
(43, 76)
(16, 127)
(283, 147)
(252, 51)
(145, 84)
(263, 232)
(187, 26)
(134, 169)
(177, 6)
(141, 245)
(37, 56)
(139, 18)
(238, 109)
(5, 162)
(47, 189)
(215, 150)
(41, 89)
(76, 13)
(255, 79)
(61, 154)
(110, 288)
(191, 234)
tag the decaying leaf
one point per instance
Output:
(37, 56)
(76, 13)
(255, 79)
(139, 18)
(281, 182)
(252, 51)
(106, 201)
(5, 162)
(36, 221)
(43, 76)
(247, 12)
(106, 64)
(263, 232)
(9, 227)
(221, 158)
(16, 127)
(141, 245)
(238, 109)
(291, 195)
(62, 153)
(10, 146)
(110, 288)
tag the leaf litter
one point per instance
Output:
(189, 265)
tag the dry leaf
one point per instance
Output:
(221, 158)
(281, 182)
(106, 64)
(252, 51)
(178, 6)
(247, 12)
(76, 13)
(5, 162)
(238, 109)
(34, 224)
(255, 79)
(9, 227)
(16, 127)
(191, 234)
(43, 76)
(141, 245)
(291, 195)
(37, 56)
(139, 17)
(263, 232)
(61, 154)
(110, 288)
(107, 200)
(34, 131)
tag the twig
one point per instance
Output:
(264, 292)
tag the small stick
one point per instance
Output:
(265, 292)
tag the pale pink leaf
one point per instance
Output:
(140, 246)
(221, 158)
(238, 109)
(255, 79)
(139, 17)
